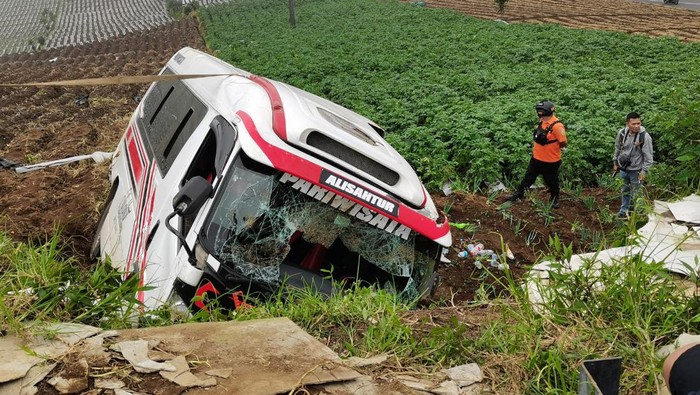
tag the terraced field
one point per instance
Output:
(27, 26)
(615, 15)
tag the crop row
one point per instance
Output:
(44, 24)
(456, 94)
(21, 21)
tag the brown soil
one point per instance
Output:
(40, 124)
(615, 15)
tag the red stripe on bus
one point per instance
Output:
(279, 125)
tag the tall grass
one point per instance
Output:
(40, 282)
(625, 310)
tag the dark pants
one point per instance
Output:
(684, 378)
(550, 175)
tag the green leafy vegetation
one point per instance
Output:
(455, 93)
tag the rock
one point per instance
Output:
(465, 375)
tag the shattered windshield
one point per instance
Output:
(264, 219)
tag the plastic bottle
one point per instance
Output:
(463, 254)
(478, 264)
(474, 249)
(485, 253)
(494, 260)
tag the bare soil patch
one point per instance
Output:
(615, 15)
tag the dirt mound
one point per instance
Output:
(41, 124)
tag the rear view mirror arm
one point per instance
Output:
(191, 258)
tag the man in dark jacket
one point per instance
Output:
(634, 155)
(550, 138)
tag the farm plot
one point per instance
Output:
(84, 21)
(614, 15)
(22, 22)
(46, 24)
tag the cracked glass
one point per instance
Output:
(263, 219)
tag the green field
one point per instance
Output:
(456, 94)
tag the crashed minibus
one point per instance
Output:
(235, 186)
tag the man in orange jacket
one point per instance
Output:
(550, 138)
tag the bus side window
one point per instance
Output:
(203, 163)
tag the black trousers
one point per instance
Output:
(550, 175)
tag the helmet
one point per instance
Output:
(545, 108)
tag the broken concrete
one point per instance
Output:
(93, 350)
(70, 333)
(26, 385)
(267, 356)
(136, 352)
(111, 383)
(357, 362)
(252, 357)
(73, 378)
(223, 373)
(183, 377)
(671, 235)
(20, 361)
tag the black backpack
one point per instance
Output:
(540, 135)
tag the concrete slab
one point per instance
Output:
(266, 356)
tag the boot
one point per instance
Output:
(555, 201)
(517, 195)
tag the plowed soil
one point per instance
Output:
(41, 124)
(615, 15)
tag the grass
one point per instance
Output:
(40, 282)
(625, 310)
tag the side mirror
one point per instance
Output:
(192, 196)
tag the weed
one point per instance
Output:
(31, 159)
(544, 208)
(588, 202)
(518, 227)
(531, 238)
(448, 206)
